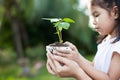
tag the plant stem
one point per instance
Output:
(59, 35)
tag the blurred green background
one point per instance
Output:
(24, 35)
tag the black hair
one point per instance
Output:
(108, 5)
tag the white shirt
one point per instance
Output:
(104, 54)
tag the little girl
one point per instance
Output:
(106, 64)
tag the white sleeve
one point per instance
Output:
(116, 47)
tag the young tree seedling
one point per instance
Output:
(60, 24)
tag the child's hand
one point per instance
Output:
(54, 66)
(50, 64)
(72, 54)
(69, 68)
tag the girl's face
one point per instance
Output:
(103, 21)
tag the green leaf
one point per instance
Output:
(52, 19)
(64, 25)
(56, 24)
(68, 20)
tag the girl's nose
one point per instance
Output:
(94, 22)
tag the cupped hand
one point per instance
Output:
(69, 68)
(50, 64)
(72, 54)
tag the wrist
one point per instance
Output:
(81, 75)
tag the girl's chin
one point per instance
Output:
(102, 34)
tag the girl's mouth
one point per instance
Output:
(96, 28)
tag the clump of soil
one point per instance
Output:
(58, 44)
(52, 47)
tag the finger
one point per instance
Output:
(62, 59)
(65, 50)
(48, 53)
(55, 64)
(51, 64)
(72, 46)
(50, 70)
(50, 56)
(49, 61)
(58, 66)
(61, 53)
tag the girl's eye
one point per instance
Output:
(96, 15)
